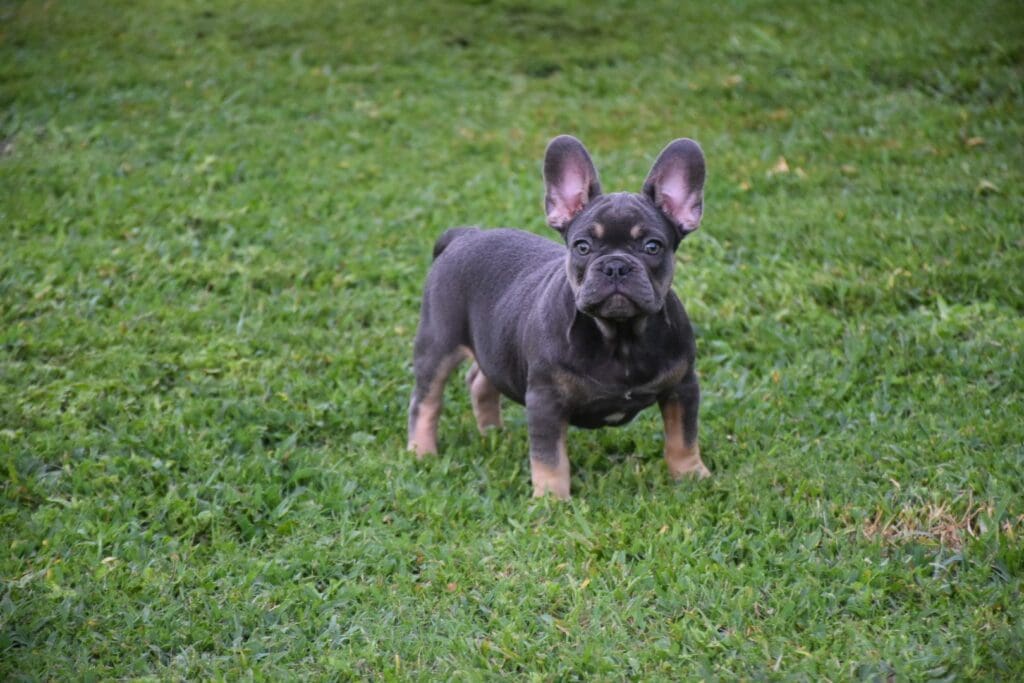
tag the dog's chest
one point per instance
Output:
(613, 395)
(611, 411)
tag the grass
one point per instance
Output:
(215, 224)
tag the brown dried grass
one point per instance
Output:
(937, 523)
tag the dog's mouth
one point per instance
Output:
(616, 307)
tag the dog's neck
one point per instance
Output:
(616, 331)
(619, 336)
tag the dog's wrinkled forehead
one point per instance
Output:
(619, 216)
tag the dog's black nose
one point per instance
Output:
(616, 268)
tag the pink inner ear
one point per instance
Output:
(567, 198)
(683, 206)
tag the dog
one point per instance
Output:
(586, 334)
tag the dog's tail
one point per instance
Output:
(447, 237)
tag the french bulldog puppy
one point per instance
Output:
(587, 333)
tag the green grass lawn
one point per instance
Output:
(215, 222)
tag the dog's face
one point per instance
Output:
(622, 245)
(620, 259)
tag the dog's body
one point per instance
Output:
(588, 336)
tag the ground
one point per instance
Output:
(216, 219)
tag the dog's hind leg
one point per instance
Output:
(432, 366)
(485, 397)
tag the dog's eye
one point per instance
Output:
(652, 247)
(582, 247)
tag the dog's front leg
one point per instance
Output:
(679, 412)
(549, 458)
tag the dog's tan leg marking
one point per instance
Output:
(423, 434)
(423, 439)
(486, 399)
(683, 459)
(548, 478)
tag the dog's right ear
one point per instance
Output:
(570, 180)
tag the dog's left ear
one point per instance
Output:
(676, 184)
(570, 180)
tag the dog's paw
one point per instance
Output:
(421, 450)
(691, 468)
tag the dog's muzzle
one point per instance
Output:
(617, 288)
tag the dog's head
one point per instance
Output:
(622, 245)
